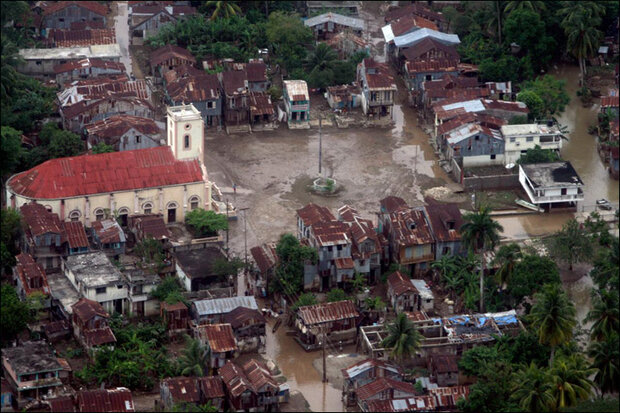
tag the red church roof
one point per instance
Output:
(104, 173)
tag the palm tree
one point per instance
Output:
(582, 40)
(225, 9)
(553, 317)
(571, 385)
(535, 6)
(445, 265)
(403, 338)
(507, 257)
(532, 389)
(479, 233)
(322, 58)
(604, 314)
(453, 282)
(605, 356)
(194, 359)
(497, 13)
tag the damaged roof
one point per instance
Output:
(235, 82)
(191, 85)
(296, 90)
(400, 284)
(470, 129)
(409, 227)
(312, 214)
(108, 231)
(93, 269)
(118, 399)
(89, 63)
(169, 52)
(73, 37)
(118, 125)
(355, 23)
(75, 234)
(445, 219)
(27, 269)
(378, 75)
(431, 66)
(330, 233)
(429, 44)
(219, 337)
(31, 357)
(327, 312)
(86, 309)
(265, 256)
(39, 220)
(182, 389)
(211, 387)
(362, 366)
(256, 71)
(382, 384)
(260, 104)
(392, 204)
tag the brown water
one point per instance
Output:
(296, 365)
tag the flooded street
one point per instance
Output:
(581, 150)
(121, 27)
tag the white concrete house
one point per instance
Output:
(551, 184)
(519, 138)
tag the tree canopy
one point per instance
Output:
(205, 223)
(290, 269)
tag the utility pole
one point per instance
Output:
(245, 237)
(226, 199)
(320, 144)
(324, 367)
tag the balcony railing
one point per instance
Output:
(300, 107)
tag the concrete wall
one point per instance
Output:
(491, 182)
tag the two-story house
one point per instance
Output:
(195, 391)
(96, 278)
(446, 221)
(62, 14)
(552, 185)
(250, 387)
(266, 258)
(168, 57)
(220, 340)
(32, 371)
(309, 215)
(402, 294)
(83, 69)
(42, 236)
(109, 237)
(262, 114)
(364, 372)
(186, 84)
(248, 327)
(519, 138)
(378, 89)
(75, 236)
(408, 233)
(30, 277)
(365, 247)
(90, 325)
(125, 132)
(337, 320)
(476, 145)
(140, 284)
(236, 101)
(257, 76)
(335, 265)
(296, 104)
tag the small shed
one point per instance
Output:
(175, 316)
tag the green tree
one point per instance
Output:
(534, 41)
(194, 359)
(403, 339)
(496, 70)
(571, 385)
(288, 36)
(480, 233)
(552, 92)
(605, 357)
(358, 283)
(538, 155)
(102, 147)
(223, 267)
(532, 389)
(522, 349)
(36, 303)
(477, 359)
(206, 223)
(603, 314)
(534, 103)
(553, 317)
(571, 244)
(607, 267)
(535, 6)
(507, 258)
(168, 290)
(337, 294)
(491, 392)
(290, 269)
(304, 300)
(11, 150)
(62, 143)
(15, 314)
(529, 274)
(375, 304)
(225, 9)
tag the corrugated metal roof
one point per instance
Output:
(610, 101)
(409, 39)
(260, 104)
(382, 384)
(220, 337)
(353, 371)
(169, 52)
(211, 387)
(336, 18)
(75, 234)
(313, 214)
(118, 125)
(470, 129)
(445, 219)
(105, 173)
(400, 284)
(409, 227)
(265, 256)
(108, 231)
(109, 400)
(86, 309)
(99, 336)
(182, 389)
(92, 6)
(73, 37)
(410, 23)
(241, 315)
(326, 312)
(39, 220)
(27, 269)
(297, 89)
(88, 63)
(224, 305)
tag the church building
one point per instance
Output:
(170, 180)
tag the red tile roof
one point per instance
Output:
(75, 234)
(86, 309)
(28, 270)
(442, 217)
(400, 284)
(39, 220)
(326, 312)
(211, 387)
(220, 337)
(88, 63)
(109, 400)
(182, 389)
(171, 52)
(118, 125)
(92, 6)
(610, 101)
(313, 214)
(99, 336)
(382, 384)
(105, 173)
(74, 38)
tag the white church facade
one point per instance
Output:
(171, 180)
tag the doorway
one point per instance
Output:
(172, 215)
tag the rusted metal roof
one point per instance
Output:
(92, 6)
(235, 82)
(408, 23)
(296, 90)
(392, 204)
(101, 87)
(92, 24)
(72, 37)
(416, 315)
(211, 387)
(444, 363)
(447, 397)
(415, 9)
(241, 316)
(220, 337)
(61, 404)
(400, 284)
(331, 233)
(75, 234)
(118, 125)
(182, 71)
(171, 52)
(259, 375)
(429, 44)
(99, 336)
(56, 327)
(381, 78)
(265, 256)
(313, 214)
(28, 270)
(108, 231)
(151, 225)
(327, 312)
(109, 400)
(503, 105)
(192, 87)
(409, 227)
(86, 309)
(445, 219)
(182, 389)
(235, 379)
(39, 220)
(345, 263)
(88, 63)
(260, 104)
(456, 123)
(470, 93)
(257, 72)
(610, 101)
(382, 384)
(431, 66)
(105, 173)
